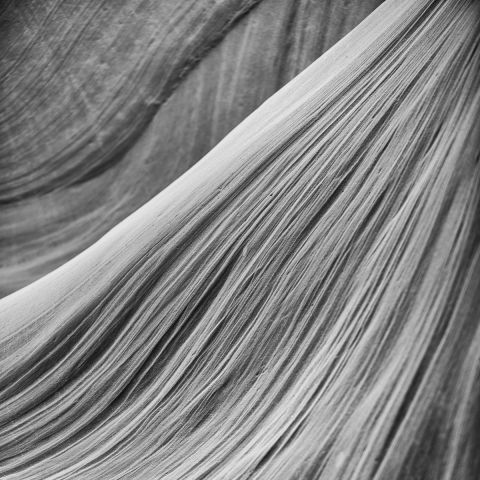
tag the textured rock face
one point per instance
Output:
(301, 304)
(104, 104)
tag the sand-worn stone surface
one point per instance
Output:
(301, 304)
(103, 104)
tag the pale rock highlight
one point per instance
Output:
(303, 303)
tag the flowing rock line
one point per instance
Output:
(55, 203)
(302, 303)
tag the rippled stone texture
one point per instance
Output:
(301, 304)
(104, 104)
